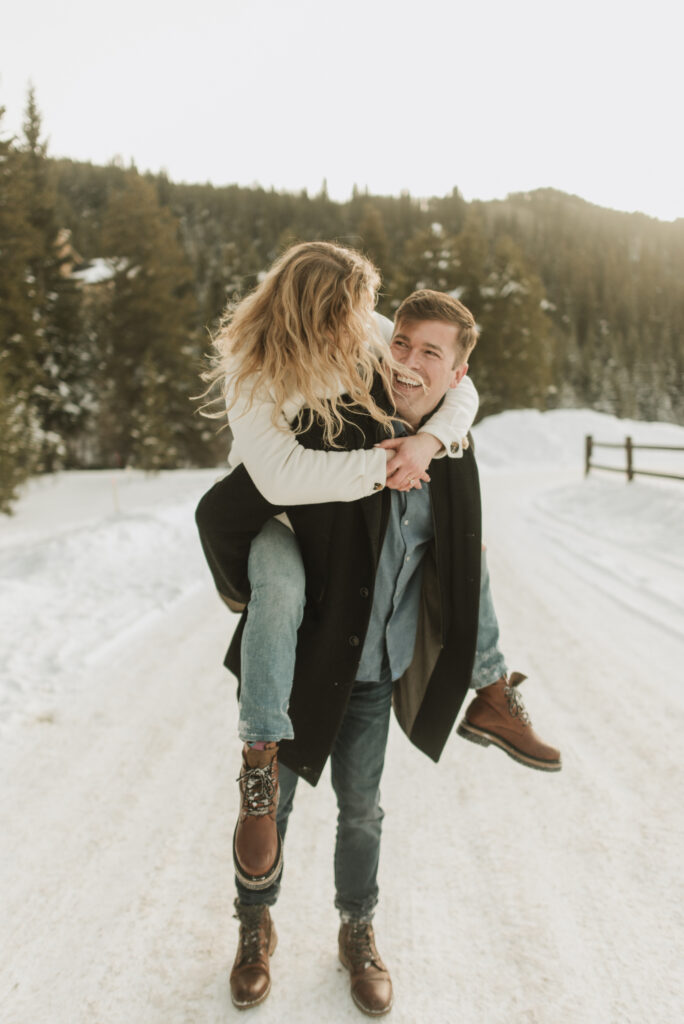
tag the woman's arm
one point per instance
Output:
(287, 473)
(454, 418)
(442, 434)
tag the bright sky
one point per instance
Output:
(492, 96)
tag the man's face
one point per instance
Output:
(429, 349)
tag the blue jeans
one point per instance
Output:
(489, 664)
(356, 764)
(357, 759)
(269, 641)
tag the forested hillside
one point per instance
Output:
(110, 282)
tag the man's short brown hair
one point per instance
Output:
(426, 304)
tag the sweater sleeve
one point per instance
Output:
(287, 473)
(454, 418)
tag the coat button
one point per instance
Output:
(364, 592)
(354, 640)
(378, 486)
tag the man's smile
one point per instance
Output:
(405, 383)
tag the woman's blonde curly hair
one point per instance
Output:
(307, 331)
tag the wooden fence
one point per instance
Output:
(630, 448)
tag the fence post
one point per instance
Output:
(630, 467)
(588, 444)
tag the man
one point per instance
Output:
(393, 585)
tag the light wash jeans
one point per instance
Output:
(356, 763)
(269, 640)
(268, 649)
(489, 663)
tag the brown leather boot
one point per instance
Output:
(497, 715)
(250, 978)
(371, 986)
(257, 847)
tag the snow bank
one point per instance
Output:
(89, 557)
(530, 437)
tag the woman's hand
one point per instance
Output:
(409, 459)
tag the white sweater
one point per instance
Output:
(287, 473)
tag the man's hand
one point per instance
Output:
(408, 460)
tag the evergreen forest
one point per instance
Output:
(111, 282)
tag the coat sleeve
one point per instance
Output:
(229, 516)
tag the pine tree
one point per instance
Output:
(512, 361)
(149, 338)
(373, 237)
(17, 424)
(58, 348)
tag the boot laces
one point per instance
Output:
(259, 789)
(515, 704)
(361, 952)
(252, 934)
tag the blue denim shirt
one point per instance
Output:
(391, 632)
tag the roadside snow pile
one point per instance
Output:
(88, 557)
(625, 538)
(531, 437)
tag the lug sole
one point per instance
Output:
(484, 739)
(258, 882)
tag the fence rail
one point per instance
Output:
(629, 448)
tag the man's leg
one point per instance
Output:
(497, 715)
(490, 663)
(357, 762)
(250, 978)
(269, 641)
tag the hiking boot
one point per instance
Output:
(371, 986)
(497, 715)
(257, 847)
(250, 978)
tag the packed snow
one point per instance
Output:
(506, 894)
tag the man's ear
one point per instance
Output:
(459, 374)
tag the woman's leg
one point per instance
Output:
(269, 640)
(269, 644)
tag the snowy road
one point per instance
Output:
(506, 894)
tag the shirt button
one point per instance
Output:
(408, 558)
(364, 592)
(406, 522)
(354, 640)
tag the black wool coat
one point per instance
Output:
(340, 544)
